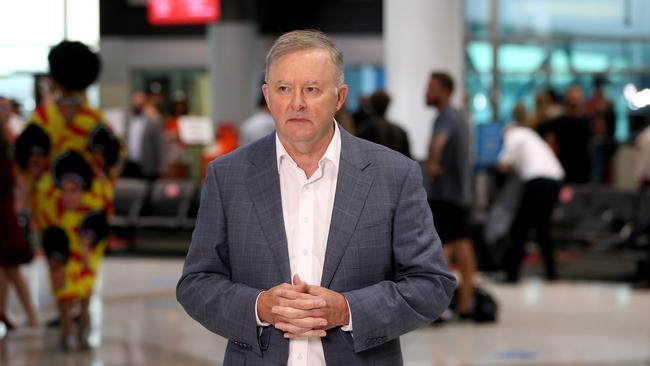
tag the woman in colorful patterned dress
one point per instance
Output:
(75, 181)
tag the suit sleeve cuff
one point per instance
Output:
(257, 318)
(348, 327)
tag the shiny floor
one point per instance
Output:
(140, 323)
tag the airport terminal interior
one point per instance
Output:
(555, 279)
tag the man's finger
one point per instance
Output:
(290, 328)
(316, 290)
(297, 331)
(292, 294)
(312, 333)
(293, 313)
(296, 280)
(288, 312)
(309, 304)
(299, 284)
(308, 323)
(301, 303)
(296, 288)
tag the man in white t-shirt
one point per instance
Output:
(530, 157)
(258, 125)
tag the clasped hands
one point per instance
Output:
(302, 310)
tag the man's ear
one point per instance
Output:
(342, 95)
(265, 92)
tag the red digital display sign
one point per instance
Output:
(183, 12)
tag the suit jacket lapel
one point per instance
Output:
(352, 187)
(263, 184)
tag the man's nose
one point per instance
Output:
(297, 100)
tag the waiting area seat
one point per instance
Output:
(169, 205)
(158, 215)
(593, 214)
(129, 198)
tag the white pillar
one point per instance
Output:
(233, 70)
(421, 36)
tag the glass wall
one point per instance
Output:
(550, 44)
(362, 80)
(28, 29)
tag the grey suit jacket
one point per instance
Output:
(382, 253)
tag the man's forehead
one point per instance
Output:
(316, 55)
(304, 82)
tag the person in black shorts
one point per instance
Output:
(449, 185)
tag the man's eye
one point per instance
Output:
(311, 90)
(283, 89)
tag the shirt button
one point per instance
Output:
(306, 219)
(305, 252)
(306, 188)
(300, 357)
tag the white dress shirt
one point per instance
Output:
(529, 155)
(134, 138)
(307, 205)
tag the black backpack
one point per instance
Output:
(484, 307)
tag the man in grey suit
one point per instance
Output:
(313, 247)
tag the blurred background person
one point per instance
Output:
(600, 111)
(531, 158)
(14, 120)
(360, 116)
(541, 114)
(600, 104)
(572, 133)
(134, 136)
(448, 171)
(345, 119)
(74, 176)
(177, 157)
(603, 148)
(547, 109)
(379, 129)
(642, 161)
(144, 138)
(14, 249)
(258, 125)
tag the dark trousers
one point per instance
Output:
(537, 202)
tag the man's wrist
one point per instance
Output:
(347, 321)
(260, 323)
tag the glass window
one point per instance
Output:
(553, 44)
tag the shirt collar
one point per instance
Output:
(332, 154)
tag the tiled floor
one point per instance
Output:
(562, 323)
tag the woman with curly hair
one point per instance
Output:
(73, 178)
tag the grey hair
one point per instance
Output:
(302, 40)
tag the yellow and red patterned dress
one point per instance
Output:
(81, 262)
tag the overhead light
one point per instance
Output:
(628, 91)
(641, 99)
(480, 102)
